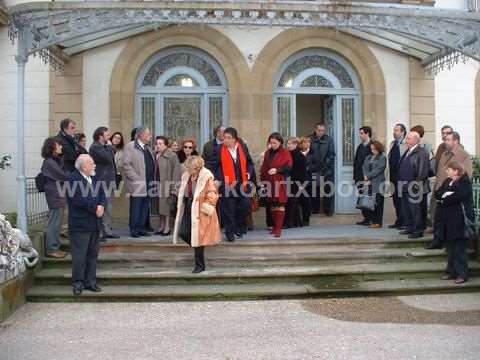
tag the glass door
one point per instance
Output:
(180, 117)
(347, 122)
(285, 113)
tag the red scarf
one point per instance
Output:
(228, 165)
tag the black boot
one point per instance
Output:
(199, 260)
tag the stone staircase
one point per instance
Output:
(306, 263)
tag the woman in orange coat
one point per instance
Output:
(196, 222)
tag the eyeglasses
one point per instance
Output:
(188, 147)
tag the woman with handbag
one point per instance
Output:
(276, 167)
(374, 174)
(456, 201)
(197, 222)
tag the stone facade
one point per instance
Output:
(98, 86)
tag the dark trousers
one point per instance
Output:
(412, 213)
(438, 236)
(457, 265)
(323, 193)
(306, 205)
(139, 213)
(376, 216)
(234, 211)
(424, 210)
(397, 203)
(85, 247)
(293, 213)
(268, 216)
(199, 257)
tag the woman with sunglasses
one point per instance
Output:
(187, 150)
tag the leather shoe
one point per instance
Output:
(144, 233)
(395, 226)
(166, 233)
(198, 269)
(77, 291)
(230, 237)
(432, 246)
(94, 288)
(56, 254)
(111, 236)
(415, 236)
(135, 235)
(460, 280)
(375, 226)
(404, 232)
(363, 222)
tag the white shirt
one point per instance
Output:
(233, 152)
(88, 178)
(142, 145)
(410, 150)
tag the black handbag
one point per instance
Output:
(469, 230)
(366, 202)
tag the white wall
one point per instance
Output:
(97, 72)
(250, 40)
(455, 102)
(36, 116)
(396, 72)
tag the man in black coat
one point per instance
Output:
(86, 204)
(363, 150)
(104, 158)
(71, 149)
(413, 184)
(212, 147)
(323, 169)
(234, 200)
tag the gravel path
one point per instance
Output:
(239, 330)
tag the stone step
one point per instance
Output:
(193, 292)
(318, 275)
(261, 256)
(305, 244)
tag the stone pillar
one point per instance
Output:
(422, 100)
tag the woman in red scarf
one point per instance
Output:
(277, 164)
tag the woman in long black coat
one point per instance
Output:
(455, 199)
(298, 175)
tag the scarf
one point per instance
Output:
(228, 165)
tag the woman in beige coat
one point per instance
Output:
(167, 177)
(196, 222)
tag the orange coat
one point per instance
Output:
(205, 224)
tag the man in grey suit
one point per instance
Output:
(104, 158)
(86, 204)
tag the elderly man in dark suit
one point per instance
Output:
(86, 204)
(104, 158)
(413, 182)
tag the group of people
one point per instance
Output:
(199, 195)
(414, 171)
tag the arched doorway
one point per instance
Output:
(181, 92)
(317, 85)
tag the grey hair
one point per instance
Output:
(80, 160)
(140, 130)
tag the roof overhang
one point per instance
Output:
(435, 36)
